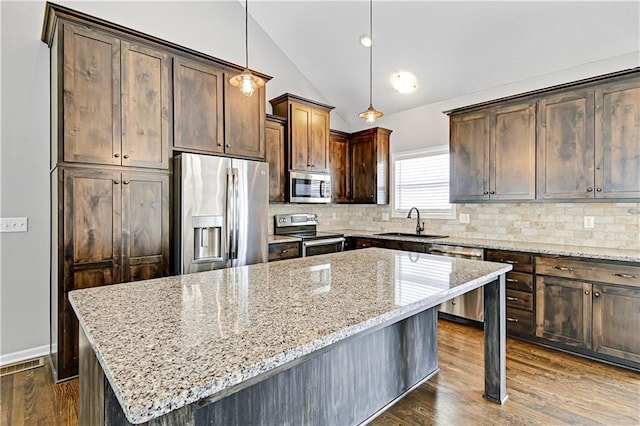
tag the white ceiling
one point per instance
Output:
(453, 47)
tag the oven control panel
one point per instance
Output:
(301, 219)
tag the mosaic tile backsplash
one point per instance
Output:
(617, 225)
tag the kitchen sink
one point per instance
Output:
(404, 234)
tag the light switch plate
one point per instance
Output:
(464, 218)
(13, 224)
(589, 222)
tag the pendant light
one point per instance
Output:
(246, 81)
(371, 114)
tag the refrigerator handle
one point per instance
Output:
(236, 209)
(230, 216)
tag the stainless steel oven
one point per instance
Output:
(309, 188)
(303, 226)
(322, 246)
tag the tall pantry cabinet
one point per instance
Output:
(111, 124)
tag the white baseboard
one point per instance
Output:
(24, 355)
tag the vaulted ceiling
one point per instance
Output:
(453, 47)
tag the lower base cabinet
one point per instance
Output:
(282, 251)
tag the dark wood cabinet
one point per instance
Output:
(339, 166)
(113, 227)
(307, 133)
(282, 251)
(275, 136)
(244, 122)
(198, 111)
(369, 166)
(617, 139)
(469, 157)
(399, 245)
(355, 243)
(116, 103)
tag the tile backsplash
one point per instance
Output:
(616, 225)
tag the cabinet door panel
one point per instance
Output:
(339, 167)
(618, 140)
(469, 157)
(275, 140)
(566, 146)
(145, 217)
(319, 141)
(563, 311)
(244, 122)
(363, 175)
(513, 150)
(616, 315)
(197, 97)
(145, 106)
(91, 96)
(299, 128)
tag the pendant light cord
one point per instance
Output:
(246, 33)
(371, 53)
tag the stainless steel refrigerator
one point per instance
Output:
(220, 212)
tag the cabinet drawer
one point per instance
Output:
(399, 245)
(519, 299)
(519, 281)
(586, 270)
(282, 251)
(522, 262)
(353, 243)
(519, 321)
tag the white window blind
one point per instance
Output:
(422, 180)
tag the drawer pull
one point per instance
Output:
(512, 319)
(284, 251)
(512, 280)
(586, 292)
(512, 262)
(596, 294)
(563, 268)
(616, 274)
(511, 298)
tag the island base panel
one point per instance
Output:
(495, 336)
(348, 384)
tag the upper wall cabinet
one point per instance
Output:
(244, 122)
(339, 166)
(580, 143)
(308, 132)
(369, 166)
(115, 106)
(276, 157)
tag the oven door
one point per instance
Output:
(322, 246)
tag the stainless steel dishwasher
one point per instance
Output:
(469, 306)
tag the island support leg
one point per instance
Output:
(495, 358)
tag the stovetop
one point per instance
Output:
(301, 226)
(314, 235)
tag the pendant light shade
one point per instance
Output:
(246, 81)
(370, 115)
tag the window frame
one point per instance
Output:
(418, 153)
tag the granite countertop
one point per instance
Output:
(540, 248)
(273, 239)
(168, 342)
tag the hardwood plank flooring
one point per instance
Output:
(545, 387)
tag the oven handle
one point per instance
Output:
(322, 242)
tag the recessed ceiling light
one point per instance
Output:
(404, 82)
(366, 40)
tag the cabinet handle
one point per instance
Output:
(596, 294)
(512, 262)
(284, 251)
(617, 274)
(511, 298)
(598, 189)
(117, 154)
(364, 245)
(219, 143)
(126, 182)
(589, 189)
(486, 192)
(512, 319)
(125, 156)
(116, 182)
(492, 192)
(563, 268)
(228, 145)
(586, 292)
(512, 280)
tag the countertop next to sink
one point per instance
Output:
(540, 248)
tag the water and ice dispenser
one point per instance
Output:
(208, 238)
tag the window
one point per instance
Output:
(421, 179)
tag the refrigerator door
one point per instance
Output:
(250, 182)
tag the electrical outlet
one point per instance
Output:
(13, 224)
(464, 218)
(385, 217)
(333, 215)
(589, 222)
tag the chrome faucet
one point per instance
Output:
(419, 228)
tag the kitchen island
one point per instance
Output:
(331, 339)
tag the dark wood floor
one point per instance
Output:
(545, 387)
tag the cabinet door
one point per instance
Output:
(616, 315)
(339, 167)
(244, 122)
(275, 140)
(513, 153)
(319, 148)
(145, 223)
(145, 107)
(362, 154)
(91, 96)
(566, 145)
(618, 140)
(300, 136)
(563, 311)
(469, 151)
(197, 103)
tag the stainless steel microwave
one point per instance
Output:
(309, 188)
